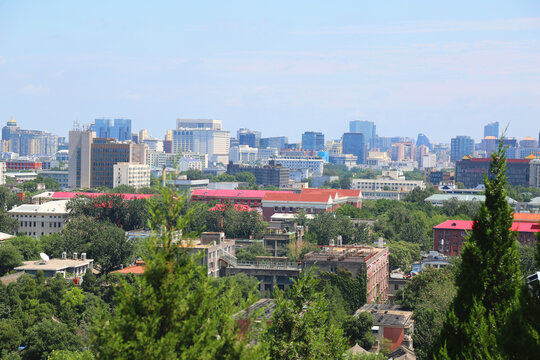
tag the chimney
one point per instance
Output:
(331, 242)
(83, 256)
(74, 256)
(64, 255)
(339, 240)
(381, 242)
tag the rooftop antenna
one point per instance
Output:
(44, 257)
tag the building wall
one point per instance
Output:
(105, 154)
(471, 171)
(135, 175)
(355, 144)
(80, 143)
(534, 173)
(379, 184)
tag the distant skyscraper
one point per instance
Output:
(203, 136)
(313, 141)
(353, 143)
(423, 140)
(492, 129)
(367, 128)
(461, 146)
(248, 137)
(119, 129)
(278, 142)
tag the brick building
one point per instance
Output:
(252, 198)
(449, 236)
(358, 260)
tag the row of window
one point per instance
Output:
(29, 223)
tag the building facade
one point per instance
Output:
(460, 147)
(367, 128)
(119, 129)
(264, 175)
(354, 144)
(312, 140)
(40, 219)
(470, 171)
(134, 175)
(371, 262)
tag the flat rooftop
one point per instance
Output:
(344, 252)
(386, 314)
(53, 264)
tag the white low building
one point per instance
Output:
(386, 184)
(130, 174)
(40, 219)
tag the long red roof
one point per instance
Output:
(468, 224)
(61, 195)
(252, 194)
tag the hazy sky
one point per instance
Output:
(441, 68)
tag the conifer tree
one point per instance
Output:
(489, 277)
(173, 311)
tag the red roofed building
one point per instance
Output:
(62, 195)
(251, 198)
(138, 269)
(449, 236)
(238, 207)
(311, 201)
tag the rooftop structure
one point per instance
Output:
(439, 199)
(369, 261)
(66, 267)
(391, 322)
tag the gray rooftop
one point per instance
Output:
(53, 264)
(386, 314)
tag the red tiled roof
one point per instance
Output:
(455, 225)
(255, 194)
(138, 268)
(302, 197)
(525, 227)
(467, 225)
(239, 207)
(71, 195)
(339, 192)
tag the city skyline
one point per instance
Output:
(409, 68)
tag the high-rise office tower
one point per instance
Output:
(492, 129)
(119, 129)
(312, 140)
(248, 137)
(354, 144)
(423, 140)
(367, 128)
(278, 142)
(203, 136)
(461, 146)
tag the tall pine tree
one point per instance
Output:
(489, 277)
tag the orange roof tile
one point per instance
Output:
(525, 217)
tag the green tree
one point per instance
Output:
(10, 258)
(246, 177)
(429, 295)
(28, 246)
(173, 306)
(403, 254)
(252, 251)
(488, 279)
(358, 330)
(7, 224)
(48, 335)
(300, 327)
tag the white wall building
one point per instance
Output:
(243, 154)
(313, 164)
(202, 136)
(40, 219)
(386, 184)
(2, 173)
(135, 175)
(534, 173)
(264, 155)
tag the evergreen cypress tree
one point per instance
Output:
(489, 277)
(173, 311)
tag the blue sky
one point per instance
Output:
(443, 69)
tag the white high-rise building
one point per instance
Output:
(203, 136)
(130, 174)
